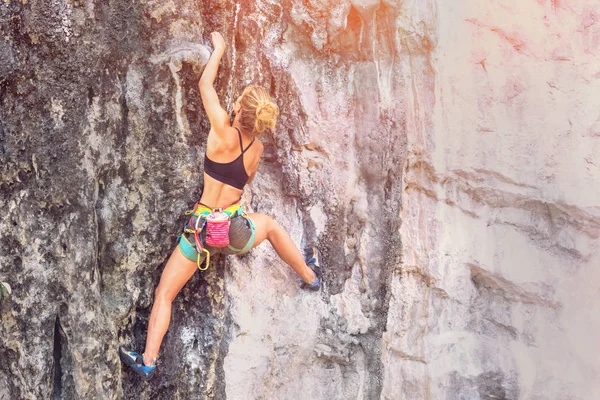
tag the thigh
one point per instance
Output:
(263, 224)
(177, 272)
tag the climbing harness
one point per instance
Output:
(212, 224)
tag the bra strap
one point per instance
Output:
(241, 144)
(240, 136)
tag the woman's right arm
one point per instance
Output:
(217, 116)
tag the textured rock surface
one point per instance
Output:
(501, 218)
(443, 155)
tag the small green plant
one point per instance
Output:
(5, 290)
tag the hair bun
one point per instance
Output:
(266, 116)
(258, 112)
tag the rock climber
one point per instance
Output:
(231, 161)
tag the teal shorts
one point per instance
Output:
(241, 240)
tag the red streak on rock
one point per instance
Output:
(589, 17)
(512, 38)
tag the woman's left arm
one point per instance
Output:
(216, 114)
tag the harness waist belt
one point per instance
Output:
(201, 209)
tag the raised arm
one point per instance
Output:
(217, 116)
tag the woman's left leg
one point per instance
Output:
(267, 228)
(177, 272)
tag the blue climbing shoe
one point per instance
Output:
(313, 263)
(136, 361)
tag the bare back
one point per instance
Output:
(225, 148)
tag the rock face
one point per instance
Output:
(501, 217)
(442, 155)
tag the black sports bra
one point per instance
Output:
(232, 173)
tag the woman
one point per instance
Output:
(231, 161)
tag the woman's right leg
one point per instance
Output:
(177, 272)
(267, 228)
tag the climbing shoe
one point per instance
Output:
(313, 263)
(136, 361)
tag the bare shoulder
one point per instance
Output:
(223, 137)
(261, 147)
(254, 159)
(257, 151)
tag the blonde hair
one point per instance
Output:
(258, 112)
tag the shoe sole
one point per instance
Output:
(126, 357)
(314, 264)
(131, 362)
(317, 264)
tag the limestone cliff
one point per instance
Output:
(442, 155)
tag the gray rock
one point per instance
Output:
(442, 156)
